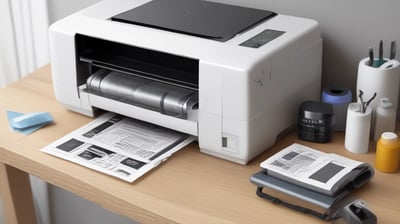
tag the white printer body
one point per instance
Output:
(239, 94)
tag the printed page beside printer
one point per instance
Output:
(231, 76)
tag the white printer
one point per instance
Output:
(232, 76)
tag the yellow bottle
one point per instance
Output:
(388, 153)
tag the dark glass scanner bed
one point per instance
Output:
(205, 19)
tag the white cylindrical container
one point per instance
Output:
(383, 80)
(385, 118)
(358, 125)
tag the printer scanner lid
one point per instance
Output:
(209, 20)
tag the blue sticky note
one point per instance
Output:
(28, 123)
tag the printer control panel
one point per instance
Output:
(262, 38)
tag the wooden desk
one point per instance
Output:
(190, 187)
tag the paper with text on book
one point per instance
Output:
(323, 172)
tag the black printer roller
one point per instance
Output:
(165, 98)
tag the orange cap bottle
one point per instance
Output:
(388, 153)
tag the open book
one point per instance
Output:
(326, 173)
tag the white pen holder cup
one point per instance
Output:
(358, 125)
(384, 80)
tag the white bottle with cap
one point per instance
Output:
(385, 118)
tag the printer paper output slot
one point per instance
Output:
(95, 64)
(94, 53)
(166, 99)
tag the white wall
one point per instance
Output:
(348, 29)
(59, 9)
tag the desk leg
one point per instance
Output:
(16, 194)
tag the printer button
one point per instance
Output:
(230, 143)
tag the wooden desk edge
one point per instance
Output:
(17, 194)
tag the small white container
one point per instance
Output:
(385, 118)
(358, 126)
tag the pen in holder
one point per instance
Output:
(358, 125)
(381, 78)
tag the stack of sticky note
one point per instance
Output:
(28, 123)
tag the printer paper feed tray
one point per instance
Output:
(164, 98)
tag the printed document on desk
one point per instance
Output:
(119, 146)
